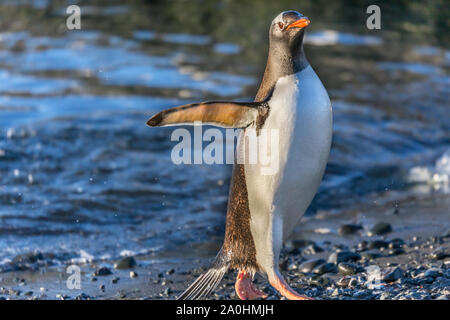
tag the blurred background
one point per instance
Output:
(83, 179)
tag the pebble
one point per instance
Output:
(439, 254)
(312, 250)
(309, 265)
(170, 271)
(115, 280)
(377, 244)
(363, 245)
(321, 281)
(349, 268)
(396, 243)
(393, 274)
(325, 268)
(432, 273)
(370, 255)
(133, 274)
(396, 252)
(347, 229)
(103, 271)
(380, 228)
(125, 263)
(343, 256)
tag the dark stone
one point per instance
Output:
(125, 263)
(380, 228)
(393, 274)
(343, 282)
(299, 243)
(170, 271)
(396, 243)
(347, 229)
(343, 256)
(433, 273)
(312, 249)
(363, 245)
(325, 268)
(309, 265)
(103, 271)
(371, 255)
(377, 244)
(115, 280)
(396, 252)
(321, 281)
(349, 268)
(439, 254)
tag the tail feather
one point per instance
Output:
(207, 282)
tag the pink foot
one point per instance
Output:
(285, 290)
(245, 288)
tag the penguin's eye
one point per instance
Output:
(280, 25)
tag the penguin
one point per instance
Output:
(264, 208)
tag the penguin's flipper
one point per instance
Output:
(219, 113)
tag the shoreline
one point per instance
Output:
(328, 258)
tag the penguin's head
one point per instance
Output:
(288, 28)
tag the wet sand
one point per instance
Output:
(420, 229)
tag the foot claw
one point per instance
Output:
(245, 288)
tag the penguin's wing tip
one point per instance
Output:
(220, 113)
(155, 120)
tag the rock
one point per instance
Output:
(396, 252)
(321, 281)
(353, 283)
(299, 243)
(362, 295)
(393, 274)
(309, 265)
(432, 273)
(396, 243)
(82, 296)
(343, 256)
(377, 244)
(439, 254)
(103, 271)
(380, 228)
(167, 291)
(370, 255)
(343, 282)
(363, 245)
(312, 249)
(133, 274)
(347, 229)
(170, 271)
(325, 268)
(125, 263)
(349, 268)
(115, 280)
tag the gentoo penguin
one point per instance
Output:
(264, 208)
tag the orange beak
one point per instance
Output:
(300, 23)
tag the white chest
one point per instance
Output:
(301, 116)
